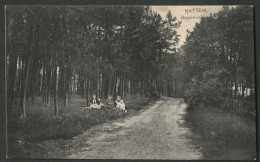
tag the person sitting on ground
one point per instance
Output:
(119, 104)
(109, 102)
(94, 102)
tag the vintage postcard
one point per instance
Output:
(130, 82)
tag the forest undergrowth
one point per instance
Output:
(42, 125)
(221, 134)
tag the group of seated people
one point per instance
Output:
(109, 103)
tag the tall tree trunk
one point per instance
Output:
(169, 88)
(83, 86)
(123, 83)
(129, 86)
(175, 87)
(117, 82)
(11, 78)
(43, 88)
(87, 93)
(64, 88)
(100, 85)
(159, 85)
(24, 86)
(113, 85)
(33, 77)
(236, 85)
(49, 87)
(74, 82)
(78, 85)
(21, 86)
(97, 85)
(243, 89)
(55, 87)
(106, 85)
(20, 71)
(25, 77)
(110, 80)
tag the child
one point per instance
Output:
(119, 104)
(94, 102)
(109, 102)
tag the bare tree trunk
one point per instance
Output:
(236, 86)
(11, 78)
(160, 86)
(117, 86)
(101, 85)
(113, 87)
(123, 83)
(74, 82)
(106, 85)
(64, 88)
(243, 89)
(55, 87)
(25, 78)
(49, 87)
(78, 85)
(110, 80)
(21, 86)
(87, 94)
(43, 89)
(24, 86)
(129, 86)
(97, 79)
(20, 74)
(83, 87)
(175, 88)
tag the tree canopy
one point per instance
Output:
(56, 51)
(219, 56)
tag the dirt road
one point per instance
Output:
(155, 133)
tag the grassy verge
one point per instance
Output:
(222, 135)
(24, 136)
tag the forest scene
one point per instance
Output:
(195, 98)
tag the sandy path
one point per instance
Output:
(154, 134)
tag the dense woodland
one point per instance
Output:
(53, 52)
(219, 58)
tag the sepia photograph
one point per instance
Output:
(130, 82)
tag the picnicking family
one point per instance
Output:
(109, 103)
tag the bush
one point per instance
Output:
(206, 90)
(193, 94)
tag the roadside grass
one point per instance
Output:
(222, 135)
(73, 120)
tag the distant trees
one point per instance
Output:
(219, 56)
(53, 52)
